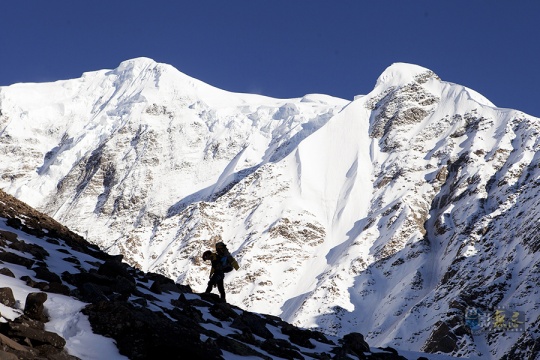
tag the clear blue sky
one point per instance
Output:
(282, 48)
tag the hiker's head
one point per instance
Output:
(207, 255)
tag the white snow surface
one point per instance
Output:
(371, 215)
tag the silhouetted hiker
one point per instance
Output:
(222, 262)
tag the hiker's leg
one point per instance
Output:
(211, 284)
(221, 288)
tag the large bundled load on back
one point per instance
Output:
(227, 260)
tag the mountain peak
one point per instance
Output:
(136, 64)
(399, 74)
(134, 68)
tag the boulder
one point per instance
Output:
(34, 306)
(352, 343)
(16, 259)
(5, 341)
(37, 336)
(6, 297)
(223, 311)
(238, 348)
(255, 324)
(8, 356)
(113, 268)
(7, 272)
(281, 348)
(298, 336)
(44, 274)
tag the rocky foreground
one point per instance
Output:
(147, 314)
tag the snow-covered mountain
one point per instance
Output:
(390, 215)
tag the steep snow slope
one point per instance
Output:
(389, 215)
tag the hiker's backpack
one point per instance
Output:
(227, 261)
(225, 264)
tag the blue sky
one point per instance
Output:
(282, 48)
